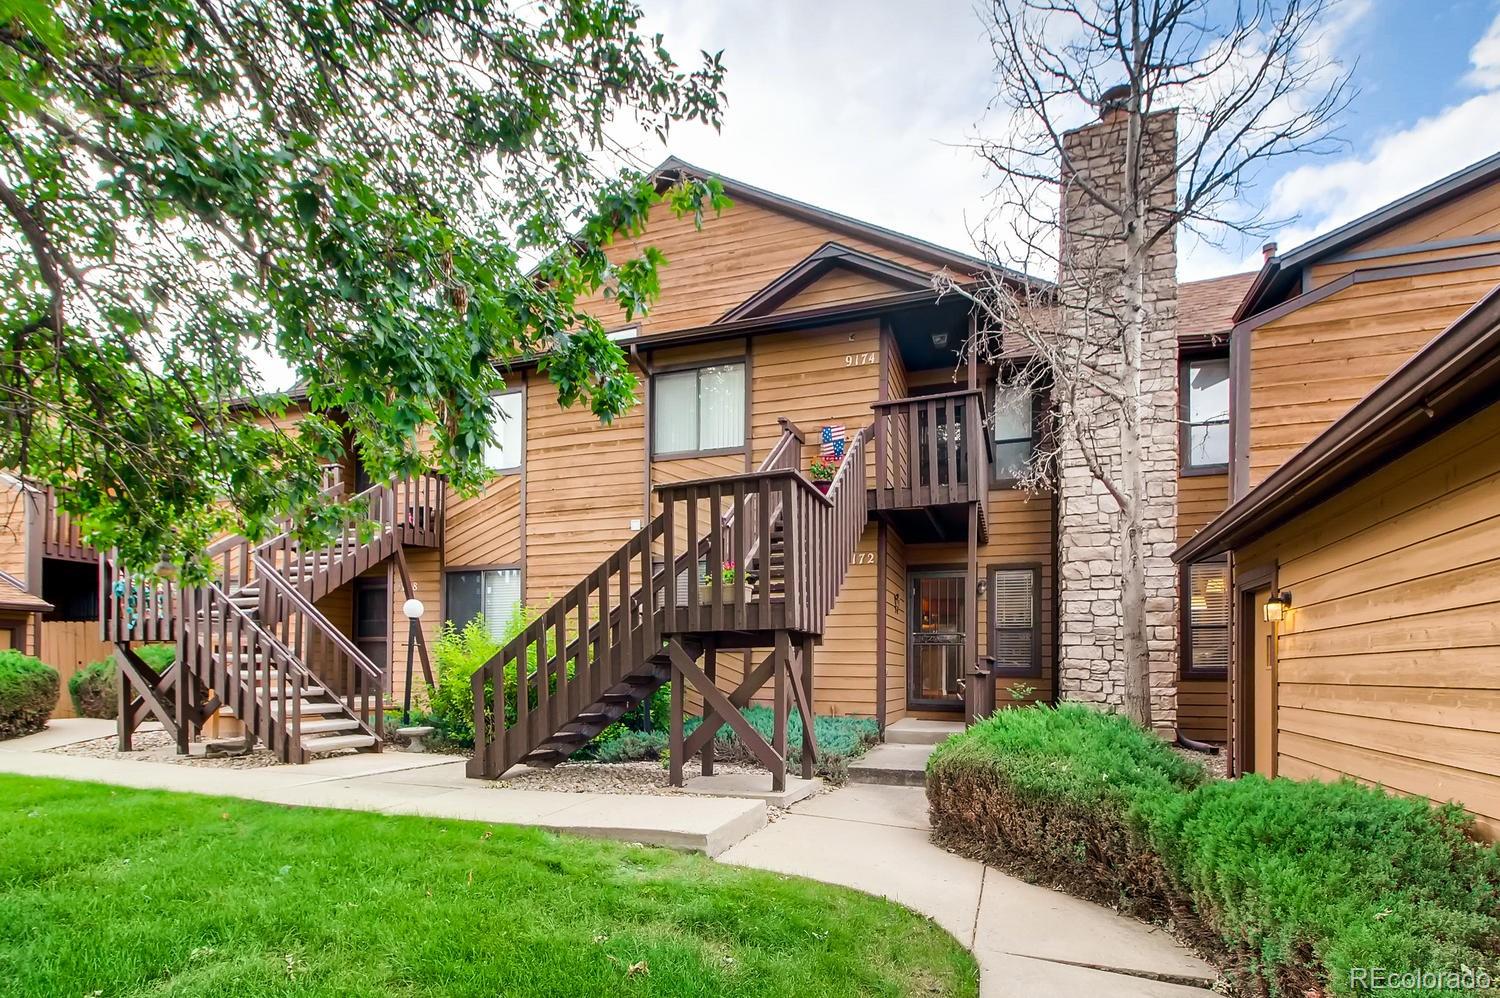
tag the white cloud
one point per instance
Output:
(1328, 194)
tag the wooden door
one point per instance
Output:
(1262, 661)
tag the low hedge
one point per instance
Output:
(1289, 885)
(28, 693)
(94, 689)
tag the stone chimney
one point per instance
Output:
(1091, 631)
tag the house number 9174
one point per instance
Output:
(858, 359)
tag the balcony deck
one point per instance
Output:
(931, 464)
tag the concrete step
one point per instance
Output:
(330, 725)
(915, 731)
(892, 765)
(337, 743)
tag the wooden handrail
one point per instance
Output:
(934, 397)
(308, 609)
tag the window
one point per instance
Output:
(1014, 431)
(491, 593)
(504, 453)
(1205, 619)
(1205, 391)
(698, 410)
(1015, 625)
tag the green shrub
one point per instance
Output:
(840, 739)
(1288, 884)
(94, 691)
(28, 692)
(630, 746)
(159, 657)
(456, 655)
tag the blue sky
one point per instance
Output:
(863, 106)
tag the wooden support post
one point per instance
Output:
(779, 695)
(122, 720)
(882, 609)
(710, 669)
(674, 740)
(182, 696)
(809, 740)
(414, 630)
(972, 699)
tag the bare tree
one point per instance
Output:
(1250, 84)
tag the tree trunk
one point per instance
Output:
(1137, 658)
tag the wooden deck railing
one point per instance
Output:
(611, 623)
(931, 450)
(61, 537)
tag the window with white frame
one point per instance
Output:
(504, 452)
(698, 410)
(493, 594)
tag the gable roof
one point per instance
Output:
(1443, 383)
(1205, 309)
(13, 596)
(1282, 274)
(820, 261)
(673, 168)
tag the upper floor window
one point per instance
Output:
(1205, 618)
(504, 452)
(699, 410)
(1013, 431)
(1205, 402)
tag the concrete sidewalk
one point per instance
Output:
(404, 783)
(1029, 941)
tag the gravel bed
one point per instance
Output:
(158, 746)
(614, 778)
(1217, 765)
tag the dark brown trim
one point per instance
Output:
(1366, 276)
(1185, 668)
(1241, 736)
(829, 256)
(525, 487)
(1184, 417)
(1239, 414)
(1457, 242)
(1448, 380)
(750, 409)
(1035, 568)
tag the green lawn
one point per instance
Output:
(109, 891)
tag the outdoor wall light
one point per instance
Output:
(1276, 607)
(939, 339)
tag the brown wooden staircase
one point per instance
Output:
(251, 641)
(664, 600)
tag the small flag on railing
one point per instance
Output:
(834, 441)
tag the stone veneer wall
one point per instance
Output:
(1091, 647)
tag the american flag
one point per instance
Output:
(834, 439)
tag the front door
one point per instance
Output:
(935, 676)
(372, 614)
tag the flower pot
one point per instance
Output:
(823, 487)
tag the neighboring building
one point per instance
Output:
(1364, 544)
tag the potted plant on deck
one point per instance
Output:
(729, 575)
(821, 472)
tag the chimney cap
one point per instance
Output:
(1268, 250)
(1115, 97)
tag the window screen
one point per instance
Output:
(698, 410)
(504, 453)
(1207, 612)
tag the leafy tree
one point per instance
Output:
(355, 187)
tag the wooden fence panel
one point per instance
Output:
(68, 646)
